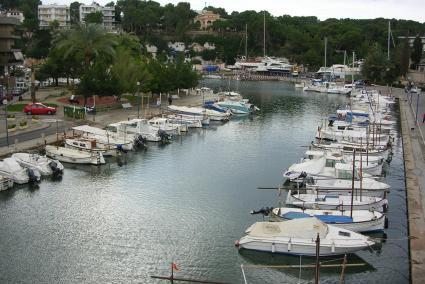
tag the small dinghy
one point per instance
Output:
(359, 221)
(10, 168)
(44, 165)
(298, 237)
(74, 156)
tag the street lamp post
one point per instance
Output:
(5, 114)
(138, 99)
(417, 108)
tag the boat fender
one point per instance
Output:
(290, 245)
(273, 247)
(386, 223)
(333, 247)
(385, 207)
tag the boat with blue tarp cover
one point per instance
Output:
(357, 220)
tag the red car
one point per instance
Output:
(38, 108)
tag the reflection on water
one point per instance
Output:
(187, 202)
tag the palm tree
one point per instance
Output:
(86, 43)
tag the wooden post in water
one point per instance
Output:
(367, 146)
(317, 275)
(341, 278)
(352, 183)
(361, 168)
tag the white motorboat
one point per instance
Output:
(92, 145)
(360, 221)
(162, 123)
(347, 148)
(332, 88)
(322, 164)
(180, 119)
(74, 156)
(42, 164)
(5, 183)
(139, 126)
(315, 200)
(10, 168)
(343, 182)
(238, 107)
(196, 111)
(298, 237)
(121, 139)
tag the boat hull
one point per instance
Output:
(304, 249)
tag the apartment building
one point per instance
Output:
(108, 14)
(49, 13)
(9, 55)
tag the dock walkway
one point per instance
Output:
(414, 166)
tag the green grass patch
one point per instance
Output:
(20, 107)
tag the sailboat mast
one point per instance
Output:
(264, 33)
(352, 71)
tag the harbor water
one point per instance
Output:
(187, 202)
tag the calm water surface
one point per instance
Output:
(186, 202)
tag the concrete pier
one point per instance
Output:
(414, 165)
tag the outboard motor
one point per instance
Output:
(55, 169)
(33, 177)
(265, 211)
(165, 138)
(140, 141)
(120, 148)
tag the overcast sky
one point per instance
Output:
(323, 9)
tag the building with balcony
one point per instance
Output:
(16, 14)
(9, 55)
(411, 39)
(206, 19)
(108, 14)
(49, 13)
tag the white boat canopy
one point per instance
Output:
(306, 228)
(90, 129)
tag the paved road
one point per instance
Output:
(62, 126)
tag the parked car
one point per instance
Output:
(38, 108)
(15, 92)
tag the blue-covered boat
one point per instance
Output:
(358, 221)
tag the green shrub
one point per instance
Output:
(23, 123)
(10, 126)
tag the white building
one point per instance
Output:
(16, 14)
(108, 14)
(152, 49)
(177, 46)
(50, 13)
(411, 39)
(209, 46)
(196, 47)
